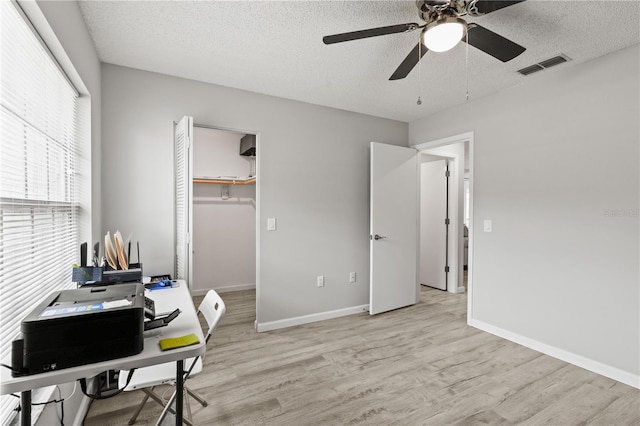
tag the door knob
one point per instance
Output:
(379, 237)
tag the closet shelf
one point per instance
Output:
(225, 181)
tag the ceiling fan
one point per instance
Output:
(443, 29)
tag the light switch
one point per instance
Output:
(271, 224)
(488, 225)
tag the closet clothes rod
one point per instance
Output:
(225, 181)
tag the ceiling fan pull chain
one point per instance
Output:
(419, 101)
(466, 64)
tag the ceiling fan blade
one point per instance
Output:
(492, 43)
(409, 62)
(372, 32)
(482, 7)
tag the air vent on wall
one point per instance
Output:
(547, 63)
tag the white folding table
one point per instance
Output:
(166, 300)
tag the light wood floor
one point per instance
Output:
(418, 365)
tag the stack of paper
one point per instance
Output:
(123, 258)
(117, 256)
(109, 251)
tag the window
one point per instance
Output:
(40, 151)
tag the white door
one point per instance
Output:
(394, 228)
(433, 228)
(184, 194)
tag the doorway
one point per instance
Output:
(217, 192)
(224, 211)
(394, 233)
(459, 150)
(434, 221)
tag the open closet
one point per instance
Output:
(224, 211)
(216, 209)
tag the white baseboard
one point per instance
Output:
(227, 289)
(306, 319)
(561, 354)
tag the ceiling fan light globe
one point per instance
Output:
(444, 34)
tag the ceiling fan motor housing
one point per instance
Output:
(433, 10)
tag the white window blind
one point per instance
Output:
(39, 205)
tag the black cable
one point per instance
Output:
(14, 370)
(62, 404)
(48, 402)
(56, 401)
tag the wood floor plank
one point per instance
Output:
(578, 407)
(534, 397)
(421, 365)
(623, 411)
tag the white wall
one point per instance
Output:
(224, 230)
(556, 169)
(217, 153)
(313, 177)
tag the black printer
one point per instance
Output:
(77, 327)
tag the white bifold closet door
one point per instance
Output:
(183, 137)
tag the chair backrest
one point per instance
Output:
(212, 309)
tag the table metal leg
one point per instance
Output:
(179, 391)
(25, 408)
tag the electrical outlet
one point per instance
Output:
(320, 281)
(352, 277)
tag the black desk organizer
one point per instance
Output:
(114, 276)
(97, 275)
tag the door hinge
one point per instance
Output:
(446, 221)
(446, 269)
(447, 173)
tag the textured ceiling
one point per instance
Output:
(276, 48)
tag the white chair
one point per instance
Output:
(146, 379)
